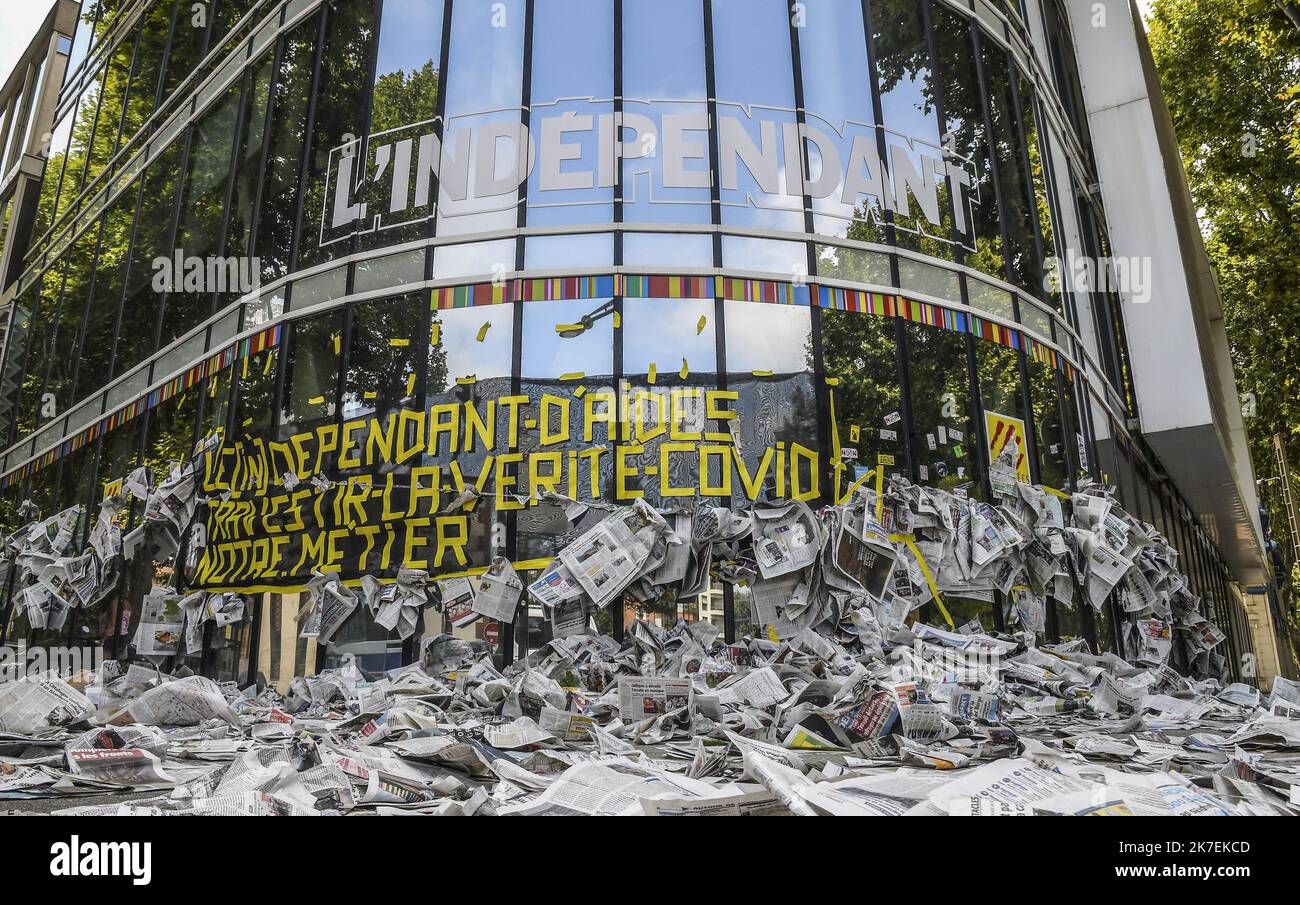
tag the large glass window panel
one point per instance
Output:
(15, 360)
(977, 218)
(469, 369)
(560, 354)
(571, 253)
(1000, 387)
(474, 259)
(253, 398)
(153, 238)
(313, 355)
(672, 251)
(169, 439)
(384, 354)
(862, 352)
(38, 350)
(80, 272)
(279, 198)
(404, 101)
(202, 206)
(154, 27)
(248, 164)
(855, 264)
(944, 440)
(664, 81)
(770, 366)
(755, 87)
(913, 140)
(570, 101)
(1036, 147)
(1018, 212)
(837, 96)
(340, 103)
(54, 168)
(479, 192)
(117, 80)
(670, 367)
(79, 143)
(101, 327)
(1050, 432)
(189, 41)
(770, 256)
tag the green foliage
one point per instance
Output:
(1231, 75)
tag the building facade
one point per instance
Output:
(685, 251)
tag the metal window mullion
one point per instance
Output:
(719, 305)
(508, 644)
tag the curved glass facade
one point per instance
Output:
(696, 252)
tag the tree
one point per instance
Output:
(1231, 76)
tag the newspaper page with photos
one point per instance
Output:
(650, 696)
(161, 624)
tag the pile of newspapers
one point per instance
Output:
(851, 690)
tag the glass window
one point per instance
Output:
(253, 398)
(202, 206)
(568, 344)
(273, 238)
(101, 327)
(248, 168)
(1000, 389)
(1036, 144)
(1050, 433)
(340, 101)
(152, 239)
(862, 352)
(751, 62)
(770, 366)
(922, 209)
(189, 41)
(404, 101)
(281, 654)
(572, 110)
(154, 27)
(672, 251)
(664, 81)
(83, 131)
(670, 365)
(38, 350)
(944, 440)
(572, 253)
(977, 224)
(117, 80)
(313, 352)
(385, 351)
(484, 91)
(79, 274)
(837, 96)
(854, 264)
(469, 370)
(54, 168)
(788, 260)
(474, 259)
(1025, 268)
